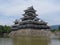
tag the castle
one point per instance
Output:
(30, 21)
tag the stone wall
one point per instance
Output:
(30, 32)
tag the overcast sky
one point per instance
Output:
(47, 10)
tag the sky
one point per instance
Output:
(47, 10)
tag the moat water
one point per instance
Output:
(9, 41)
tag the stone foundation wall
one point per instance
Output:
(30, 32)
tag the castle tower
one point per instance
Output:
(30, 21)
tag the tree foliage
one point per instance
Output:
(59, 28)
(53, 30)
(5, 29)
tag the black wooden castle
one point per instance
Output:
(30, 21)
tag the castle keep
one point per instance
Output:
(30, 21)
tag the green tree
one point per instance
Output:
(7, 29)
(1, 30)
(4, 29)
(59, 28)
(53, 30)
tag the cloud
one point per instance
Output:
(16, 7)
(48, 10)
(52, 18)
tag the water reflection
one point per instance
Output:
(30, 41)
(55, 42)
(6, 41)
